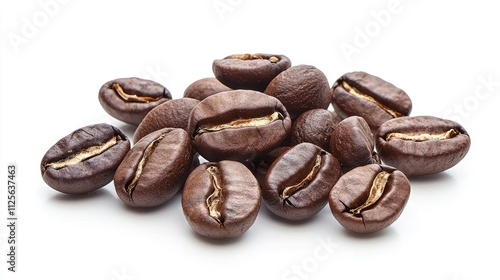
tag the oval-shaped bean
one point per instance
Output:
(369, 198)
(353, 144)
(297, 183)
(238, 125)
(130, 99)
(422, 145)
(84, 160)
(221, 199)
(155, 169)
(249, 71)
(370, 97)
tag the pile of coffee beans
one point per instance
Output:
(260, 130)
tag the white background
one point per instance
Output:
(56, 55)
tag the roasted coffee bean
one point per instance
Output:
(353, 144)
(314, 126)
(85, 160)
(238, 125)
(261, 165)
(297, 184)
(249, 71)
(369, 198)
(422, 145)
(203, 88)
(301, 88)
(370, 97)
(221, 199)
(155, 169)
(171, 114)
(130, 99)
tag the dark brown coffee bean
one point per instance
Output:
(370, 97)
(171, 114)
(369, 198)
(353, 144)
(130, 99)
(314, 126)
(249, 71)
(297, 184)
(203, 88)
(221, 200)
(262, 164)
(85, 160)
(301, 88)
(422, 145)
(155, 169)
(238, 125)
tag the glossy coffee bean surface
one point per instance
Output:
(155, 169)
(298, 182)
(422, 145)
(314, 126)
(370, 97)
(238, 125)
(249, 71)
(221, 200)
(84, 160)
(353, 144)
(203, 88)
(369, 198)
(301, 88)
(130, 99)
(171, 114)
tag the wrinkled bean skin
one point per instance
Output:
(249, 71)
(239, 203)
(171, 114)
(416, 158)
(301, 88)
(238, 143)
(168, 158)
(353, 144)
(144, 95)
(92, 173)
(203, 88)
(377, 100)
(305, 163)
(353, 189)
(314, 126)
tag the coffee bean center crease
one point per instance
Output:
(214, 200)
(132, 97)
(247, 56)
(239, 123)
(376, 192)
(84, 154)
(424, 136)
(352, 90)
(142, 163)
(290, 190)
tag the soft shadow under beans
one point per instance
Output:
(427, 181)
(275, 218)
(70, 198)
(382, 234)
(172, 203)
(217, 242)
